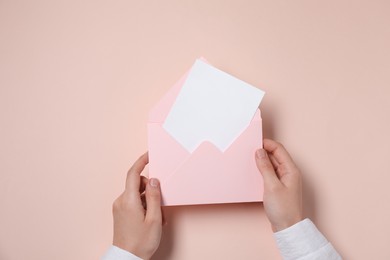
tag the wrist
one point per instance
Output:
(286, 224)
(131, 249)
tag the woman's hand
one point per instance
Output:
(137, 215)
(282, 185)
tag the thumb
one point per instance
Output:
(153, 201)
(266, 168)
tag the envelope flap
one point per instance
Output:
(161, 109)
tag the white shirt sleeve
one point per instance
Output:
(304, 241)
(116, 253)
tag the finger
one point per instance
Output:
(143, 202)
(273, 160)
(275, 164)
(266, 169)
(143, 183)
(153, 202)
(277, 150)
(133, 179)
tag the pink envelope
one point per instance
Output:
(207, 175)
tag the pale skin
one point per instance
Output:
(138, 218)
(137, 228)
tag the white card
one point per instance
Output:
(211, 106)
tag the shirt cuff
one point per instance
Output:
(116, 253)
(304, 241)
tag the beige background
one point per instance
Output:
(77, 79)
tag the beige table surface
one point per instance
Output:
(77, 79)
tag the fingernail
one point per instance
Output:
(261, 153)
(153, 182)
